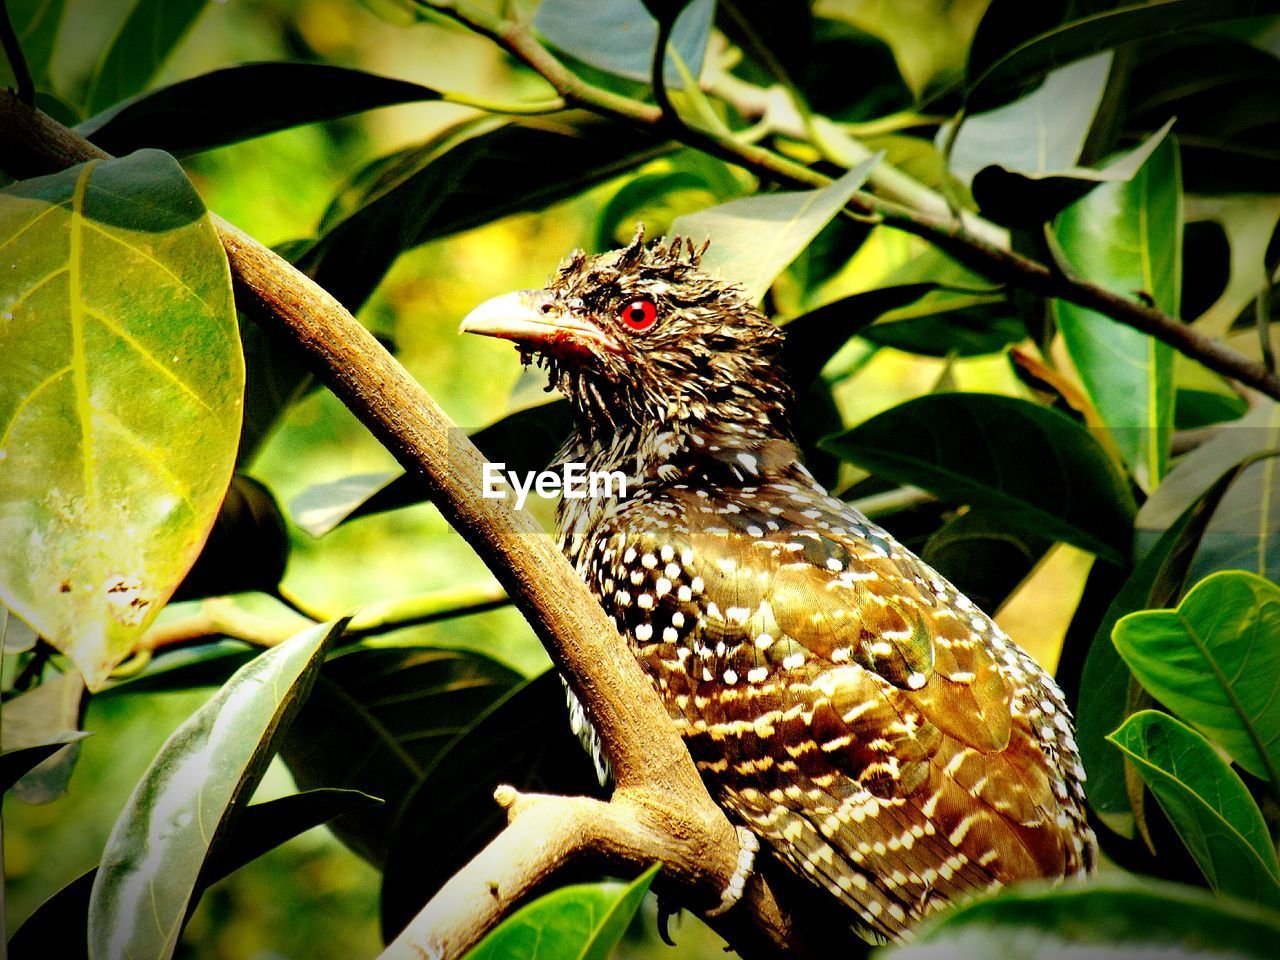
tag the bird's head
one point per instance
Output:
(641, 342)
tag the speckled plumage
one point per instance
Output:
(842, 700)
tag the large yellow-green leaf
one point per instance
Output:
(120, 397)
(1127, 237)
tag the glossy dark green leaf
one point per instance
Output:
(236, 103)
(35, 23)
(461, 180)
(323, 506)
(1103, 30)
(648, 199)
(1108, 692)
(813, 338)
(579, 922)
(379, 718)
(524, 740)
(1213, 661)
(1018, 199)
(1207, 803)
(1039, 134)
(618, 35)
(247, 549)
(956, 331)
(1127, 237)
(983, 556)
(189, 668)
(276, 376)
(16, 764)
(753, 239)
(204, 773)
(58, 926)
(1109, 918)
(111, 396)
(43, 715)
(1036, 467)
(525, 440)
(145, 39)
(1218, 91)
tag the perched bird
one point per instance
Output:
(842, 700)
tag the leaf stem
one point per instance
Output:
(524, 109)
(17, 60)
(658, 70)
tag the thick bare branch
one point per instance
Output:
(659, 788)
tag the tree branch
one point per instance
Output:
(659, 789)
(979, 254)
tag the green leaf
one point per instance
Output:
(36, 24)
(1103, 30)
(15, 636)
(1213, 661)
(16, 764)
(944, 328)
(1207, 803)
(619, 35)
(1248, 223)
(379, 718)
(1041, 471)
(44, 715)
(462, 179)
(143, 43)
(580, 922)
(754, 239)
(1127, 237)
(183, 804)
(247, 549)
(1103, 919)
(123, 385)
(58, 926)
(1040, 134)
(236, 103)
(1107, 688)
(983, 557)
(185, 668)
(815, 337)
(526, 740)
(525, 440)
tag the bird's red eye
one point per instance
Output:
(639, 315)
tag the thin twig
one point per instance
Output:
(17, 59)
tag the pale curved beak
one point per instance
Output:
(534, 318)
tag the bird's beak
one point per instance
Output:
(534, 318)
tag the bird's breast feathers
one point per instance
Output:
(840, 696)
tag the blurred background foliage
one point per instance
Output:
(888, 68)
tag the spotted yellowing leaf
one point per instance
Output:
(120, 398)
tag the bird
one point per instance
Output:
(844, 703)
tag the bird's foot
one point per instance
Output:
(748, 847)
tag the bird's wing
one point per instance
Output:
(845, 702)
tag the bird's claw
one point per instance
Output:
(667, 908)
(748, 847)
